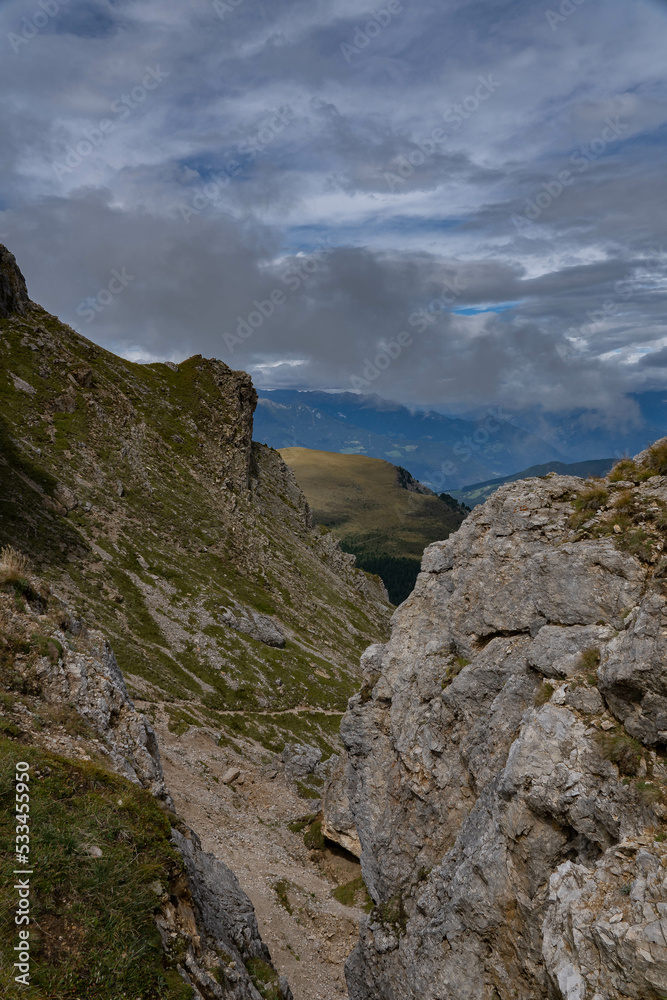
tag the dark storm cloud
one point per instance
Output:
(250, 189)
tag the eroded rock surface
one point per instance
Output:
(505, 759)
(90, 680)
(13, 290)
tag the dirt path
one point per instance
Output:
(245, 825)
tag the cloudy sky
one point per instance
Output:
(447, 202)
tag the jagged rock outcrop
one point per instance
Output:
(90, 681)
(505, 760)
(13, 290)
(226, 929)
(338, 821)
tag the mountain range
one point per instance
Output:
(448, 452)
(479, 493)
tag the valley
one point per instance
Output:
(381, 514)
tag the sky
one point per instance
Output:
(448, 203)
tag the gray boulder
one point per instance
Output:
(256, 625)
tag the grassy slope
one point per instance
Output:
(360, 500)
(93, 930)
(162, 534)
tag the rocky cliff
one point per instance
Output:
(13, 289)
(137, 491)
(166, 585)
(506, 762)
(66, 707)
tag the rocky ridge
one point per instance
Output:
(506, 759)
(193, 586)
(138, 492)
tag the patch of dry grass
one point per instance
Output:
(14, 566)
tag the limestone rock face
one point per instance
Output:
(338, 821)
(13, 290)
(93, 684)
(225, 923)
(504, 762)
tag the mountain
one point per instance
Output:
(505, 774)
(380, 513)
(447, 453)
(582, 432)
(480, 492)
(138, 490)
(165, 599)
(443, 452)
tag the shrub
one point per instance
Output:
(14, 567)
(591, 499)
(589, 661)
(543, 694)
(656, 460)
(625, 501)
(624, 471)
(622, 750)
(636, 543)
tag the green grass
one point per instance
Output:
(354, 892)
(281, 888)
(392, 913)
(265, 978)
(623, 750)
(543, 694)
(589, 660)
(93, 932)
(299, 825)
(313, 838)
